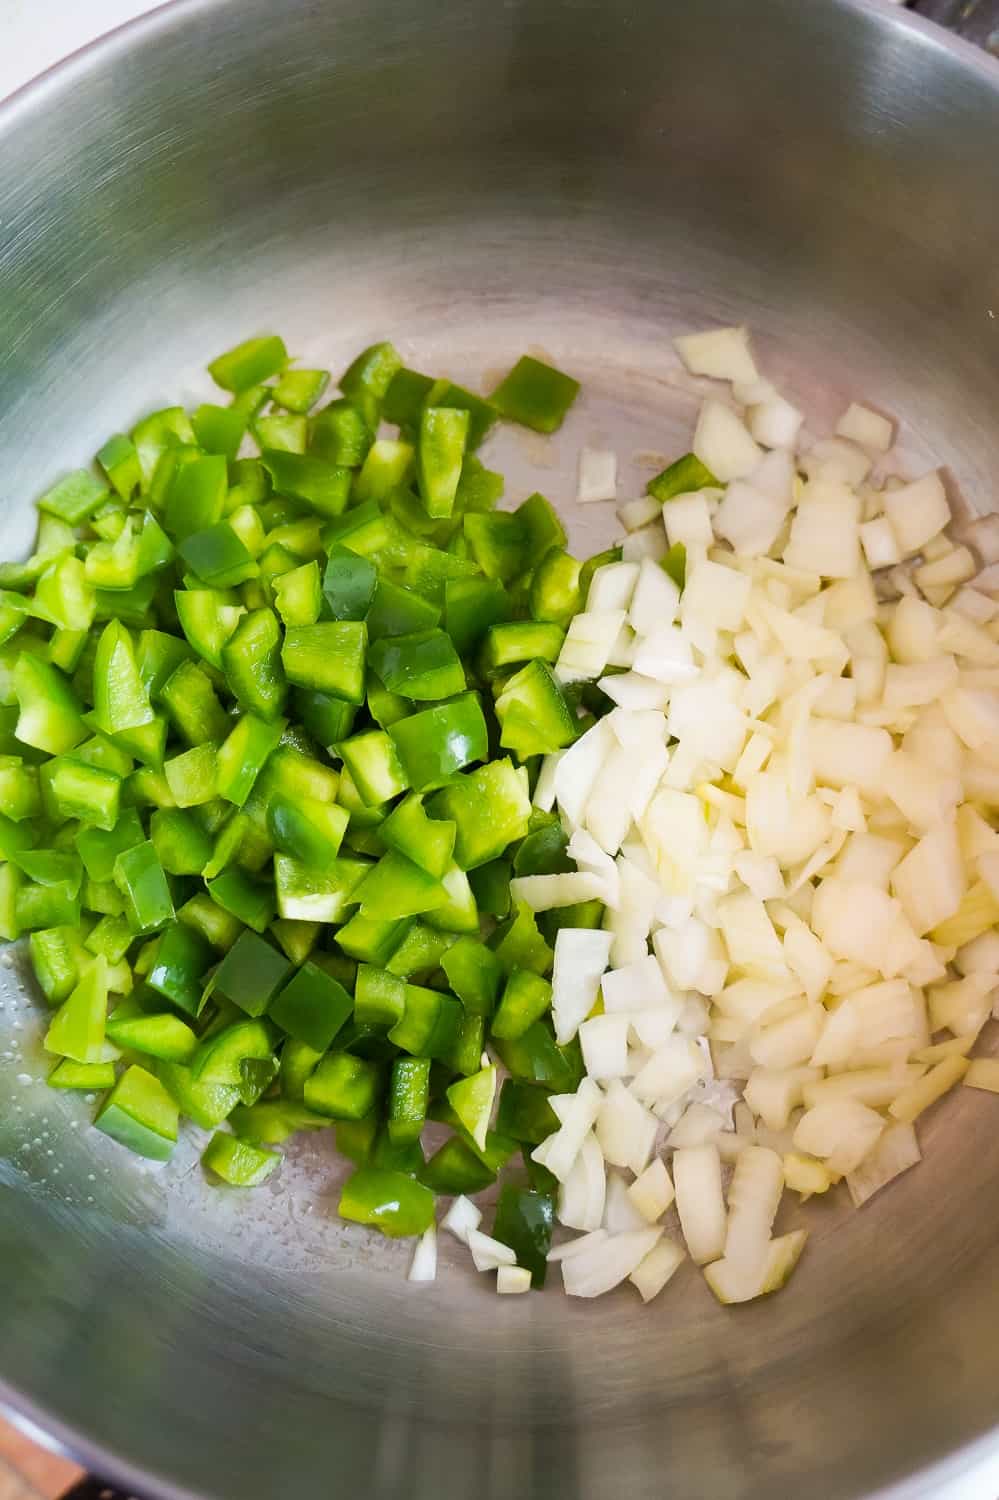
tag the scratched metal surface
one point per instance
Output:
(474, 181)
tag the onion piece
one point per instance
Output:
(597, 476)
(461, 1218)
(699, 1201)
(423, 1266)
(604, 1265)
(489, 1254)
(512, 1280)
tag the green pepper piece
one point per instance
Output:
(526, 998)
(220, 1056)
(296, 939)
(524, 1112)
(387, 1200)
(140, 1114)
(252, 901)
(218, 556)
(367, 379)
(396, 887)
(420, 950)
(49, 717)
(519, 944)
(374, 766)
(207, 1104)
(252, 665)
(379, 997)
(237, 1162)
(249, 363)
(675, 564)
(99, 849)
(516, 641)
(481, 414)
(533, 712)
(441, 447)
(340, 434)
(308, 895)
(312, 1007)
(192, 705)
(525, 1221)
(308, 830)
(219, 429)
(85, 792)
(54, 958)
(196, 496)
(329, 657)
(299, 390)
(243, 755)
(455, 1169)
(435, 744)
(37, 906)
(408, 1096)
(387, 466)
(681, 478)
(182, 956)
(343, 1087)
(421, 666)
(139, 876)
(498, 543)
(19, 794)
(406, 394)
(370, 940)
(327, 719)
(164, 1036)
(77, 1028)
(218, 926)
(158, 657)
(349, 584)
(430, 1023)
(474, 973)
(490, 807)
(458, 912)
(298, 595)
(50, 867)
(397, 611)
(74, 498)
(251, 974)
(120, 700)
(471, 606)
(272, 1121)
(384, 707)
(428, 842)
(192, 776)
(11, 882)
(91, 1077)
(207, 619)
(535, 394)
(472, 1100)
(63, 596)
(541, 526)
(355, 1139)
(120, 462)
(323, 486)
(535, 1058)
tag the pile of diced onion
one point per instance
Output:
(787, 819)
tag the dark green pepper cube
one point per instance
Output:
(367, 378)
(398, 611)
(217, 926)
(182, 845)
(252, 901)
(481, 414)
(379, 997)
(243, 754)
(534, 715)
(541, 526)
(455, 1169)
(196, 495)
(329, 657)
(340, 434)
(387, 1200)
(218, 556)
(323, 486)
(507, 645)
(327, 719)
(221, 1055)
(396, 887)
(140, 1114)
(372, 940)
(519, 944)
(182, 957)
(397, 1156)
(498, 543)
(430, 1023)
(207, 1104)
(349, 584)
(355, 1139)
(305, 894)
(99, 848)
(524, 1112)
(420, 950)
(408, 1096)
(535, 1057)
(471, 606)
(251, 660)
(437, 743)
(312, 1007)
(344, 1087)
(307, 829)
(525, 999)
(535, 394)
(249, 363)
(219, 429)
(405, 397)
(440, 450)
(489, 806)
(374, 765)
(421, 666)
(158, 657)
(238, 1163)
(251, 974)
(465, 1056)
(525, 1221)
(428, 842)
(681, 478)
(475, 974)
(139, 876)
(543, 852)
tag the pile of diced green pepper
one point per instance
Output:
(270, 727)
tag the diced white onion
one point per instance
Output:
(423, 1266)
(597, 475)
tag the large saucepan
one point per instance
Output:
(472, 177)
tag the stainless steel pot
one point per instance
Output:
(473, 178)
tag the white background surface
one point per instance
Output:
(34, 34)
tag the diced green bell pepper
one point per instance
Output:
(387, 1200)
(120, 462)
(251, 974)
(675, 564)
(74, 498)
(455, 1169)
(305, 894)
(207, 1104)
(208, 618)
(192, 776)
(323, 486)
(84, 792)
(242, 756)
(519, 944)
(237, 1162)
(525, 999)
(437, 743)
(192, 705)
(163, 1036)
(430, 1023)
(367, 379)
(474, 973)
(308, 830)
(379, 996)
(471, 606)
(312, 1007)
(183, 954)
(100, 848)
(533, 713)
(421, 666)
(91, 1077)
(408, 1096)
(140, 1114)
(49, 717)
(472, 1100)
(398, 611)
(329, 657)
(251, 661)
(507, 645)
(525, 1221)
(524, 1112)
(77, 1028)
(298, 595)
(343, 1087)
(490, 807)
(441, 447)
(374, 766)
(218, 556)
(396, 887)
(139, 876)
(498, 543)
(535, 394)
(340, 434)
(370, 940)
(252, 901)
(249, 363)
(428, 842)
(682, 477)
